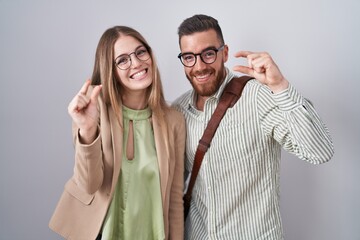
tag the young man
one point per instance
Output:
(236, 194)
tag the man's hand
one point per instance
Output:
(262, 67)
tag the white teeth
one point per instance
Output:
(203, 76)
(139, 74)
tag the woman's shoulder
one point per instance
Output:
(174, 118)
(173, 114)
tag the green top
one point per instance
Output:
(136, 209)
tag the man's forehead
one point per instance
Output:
(199, 41)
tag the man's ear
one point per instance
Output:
(226, 52)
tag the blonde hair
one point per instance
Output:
(105, 73)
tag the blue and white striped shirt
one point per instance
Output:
(236, 194)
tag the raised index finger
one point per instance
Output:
(243, 54)
(85, 87)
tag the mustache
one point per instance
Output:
(202, 72)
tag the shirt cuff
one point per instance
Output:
(288, 99)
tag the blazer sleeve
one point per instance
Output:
(88, 169)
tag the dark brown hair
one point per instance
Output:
(200, 23)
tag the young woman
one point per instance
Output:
(129, 149)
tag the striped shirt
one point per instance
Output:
(236, 194)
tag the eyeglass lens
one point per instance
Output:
(208, 56)
(124, 61)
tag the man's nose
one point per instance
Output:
(199, 64)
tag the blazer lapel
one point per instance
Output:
(162, 156)
(117, 144)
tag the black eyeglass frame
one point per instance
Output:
(200, 54)
(129, 57)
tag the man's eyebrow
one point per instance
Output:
(205, 49)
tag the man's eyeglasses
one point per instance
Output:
(123, 61)
(208, 56)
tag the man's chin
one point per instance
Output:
(204, 91)
(205, 88)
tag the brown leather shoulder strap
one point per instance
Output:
(229, 97)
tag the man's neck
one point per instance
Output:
(200, 102)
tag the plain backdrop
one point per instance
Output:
(47, 52)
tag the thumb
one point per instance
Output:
(95, 93)
(245, 70)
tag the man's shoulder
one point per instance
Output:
(254, 86)
(182, 101)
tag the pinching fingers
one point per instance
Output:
(79, 102)
(95, 93)
(243, 54)
(244, 69)
(85, 87)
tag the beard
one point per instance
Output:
(211, 87)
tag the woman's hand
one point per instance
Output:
(83, 111)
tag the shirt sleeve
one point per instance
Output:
(293, 122)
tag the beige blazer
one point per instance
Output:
(87, 195)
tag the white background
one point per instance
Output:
(47, 51)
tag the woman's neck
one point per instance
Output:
(135, 100)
